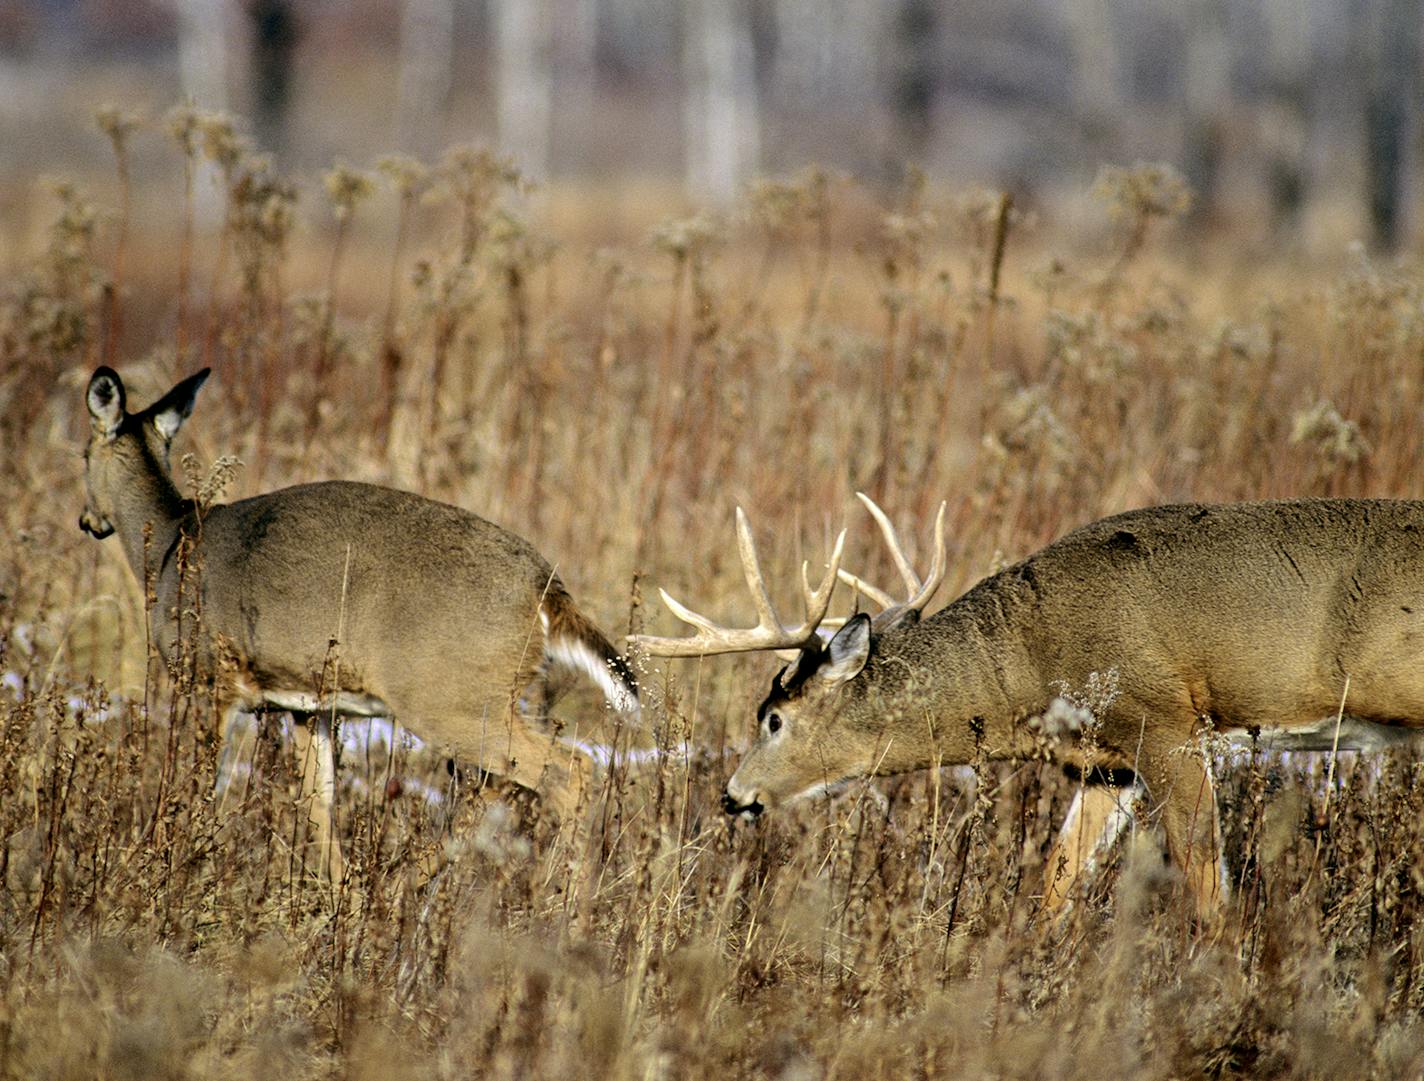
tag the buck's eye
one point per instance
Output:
(773, 723)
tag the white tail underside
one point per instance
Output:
(574, 653)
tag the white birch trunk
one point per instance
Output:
(722, 129)
(1096, 75)
(576, 45)
(203, 52)
(524, 83)
(204, 37)
(424, 77)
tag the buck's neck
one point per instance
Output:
(145, 495)
(959, 684)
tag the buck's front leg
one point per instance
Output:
(1096, 819)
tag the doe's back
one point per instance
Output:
(415, 593)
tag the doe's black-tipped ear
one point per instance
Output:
(170, 411)
(105, 398)
(847, 652)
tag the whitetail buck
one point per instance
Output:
(349, 599)
(1296, 624)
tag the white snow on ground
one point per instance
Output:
(371, 740)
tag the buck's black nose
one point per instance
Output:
(732, 807)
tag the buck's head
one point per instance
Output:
(126, 449)
(809, 734)
(818, 726)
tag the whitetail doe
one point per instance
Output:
(350, 599)
(1296, 625)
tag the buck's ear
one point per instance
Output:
(170, 411)
(105, 399)
(847, 652)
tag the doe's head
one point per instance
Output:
(123, 445)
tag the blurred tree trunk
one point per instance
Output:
(202, 52)
(1391, 63)
(424, 75)
(722, 126)
(1097, 86)
(274, 41)
(913, 78)
(524, 87)
(203, 46)
(1285, 122)
(1208, 101)
(819, 71)
(576, 46)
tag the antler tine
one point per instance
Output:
(875, 593)
(768, 634)
(751, 570)
(709, 639)
(918, 592)
(818, 601)
(939, 564)
(892, 540)
(686, 614)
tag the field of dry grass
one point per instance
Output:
(612, 393)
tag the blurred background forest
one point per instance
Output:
(1296, 122)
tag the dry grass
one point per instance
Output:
(614, 406)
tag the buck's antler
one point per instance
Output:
(918, 593)
(769, 633)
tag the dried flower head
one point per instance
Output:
(118, 124)
(406, 175)
(222, 145)
(685, 237)
(1146, 190)
(1338, 441)
(346, 188)
(184, 126)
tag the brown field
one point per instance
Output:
(612, 387)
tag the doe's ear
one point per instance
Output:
(847, 652)
(105, 398)
(170, 411)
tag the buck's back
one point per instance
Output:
(1259, 610)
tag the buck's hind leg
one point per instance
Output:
(1096, 819)
(312, 738)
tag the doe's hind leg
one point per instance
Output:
(1181, 787)
(520, 752)
(236, 742)
(312, 737)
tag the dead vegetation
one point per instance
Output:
(614, 405)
